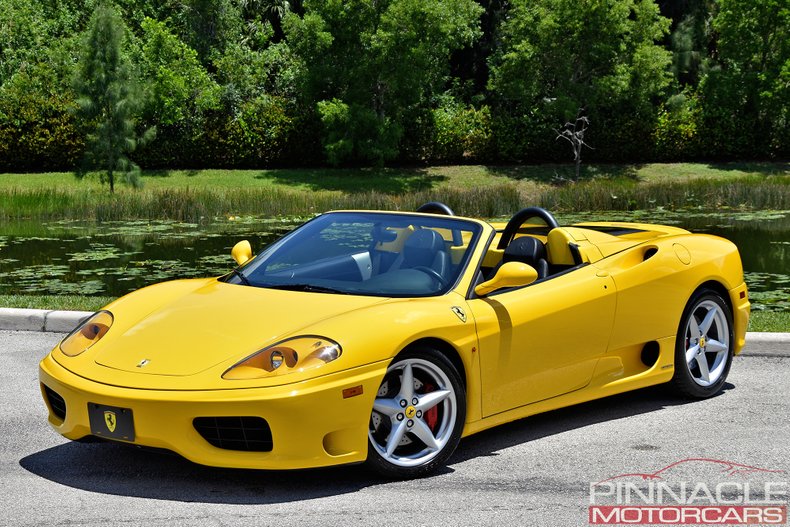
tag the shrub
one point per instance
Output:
(38, 129)
(258, 136)
(353, 132)
(461, 134)
(678, 127)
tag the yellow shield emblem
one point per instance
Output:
(109, 420)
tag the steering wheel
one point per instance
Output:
(520, 218)
(433, 273)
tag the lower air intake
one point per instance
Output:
(56, 403)
(248, 434)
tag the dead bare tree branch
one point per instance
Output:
(573, 132)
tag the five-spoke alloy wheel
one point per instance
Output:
(417, 416)
(703, 352)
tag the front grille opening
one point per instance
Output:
(56, 402)
(246, 433)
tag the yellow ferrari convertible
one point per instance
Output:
(387, 336)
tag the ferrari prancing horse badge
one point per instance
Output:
(109, 420)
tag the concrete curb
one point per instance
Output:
(774, 338)
(16, 319)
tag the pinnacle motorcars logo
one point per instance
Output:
(694, 491)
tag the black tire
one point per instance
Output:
(412, 457)
(690, 380)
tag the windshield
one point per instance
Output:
(366, 253)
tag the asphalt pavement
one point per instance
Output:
(535, 471)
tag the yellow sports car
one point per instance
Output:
(387, 336)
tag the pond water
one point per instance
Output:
(114, 258)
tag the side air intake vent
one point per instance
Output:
(56, 402)
(248, 434)
(649, 253)
(650, 353)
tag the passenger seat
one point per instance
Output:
(528, 250)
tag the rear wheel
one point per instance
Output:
(704, 347)
(418, 415)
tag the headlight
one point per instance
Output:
(292, 355)
(87, 334)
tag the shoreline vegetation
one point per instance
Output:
(474, 190)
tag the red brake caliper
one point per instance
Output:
(432, 415)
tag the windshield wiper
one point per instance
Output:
(310, 288)
(241, 277)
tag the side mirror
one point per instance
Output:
(241, 252)
(511, 274)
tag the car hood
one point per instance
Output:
(212, 324)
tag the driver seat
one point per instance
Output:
(424, 248)
(528, 250)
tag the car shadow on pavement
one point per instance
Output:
(117, 469)
(611, 408)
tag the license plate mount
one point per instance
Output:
(111, 422)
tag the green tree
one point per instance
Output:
(271, 12)
(370, 66)
(178, 88)
(557, 56)
(690, 42)
(38, 126)
(746, 101)
(21, 32)
(108, 99)
(209, 26)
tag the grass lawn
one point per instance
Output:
(399, 180)
(475, 190)
(56, 302)
(770, 321)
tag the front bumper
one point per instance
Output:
(312, 424)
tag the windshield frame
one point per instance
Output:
(475, 228)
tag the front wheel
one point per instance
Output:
(418, 415)
(704, 347)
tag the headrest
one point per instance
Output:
(421, 247)
(525, 249)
